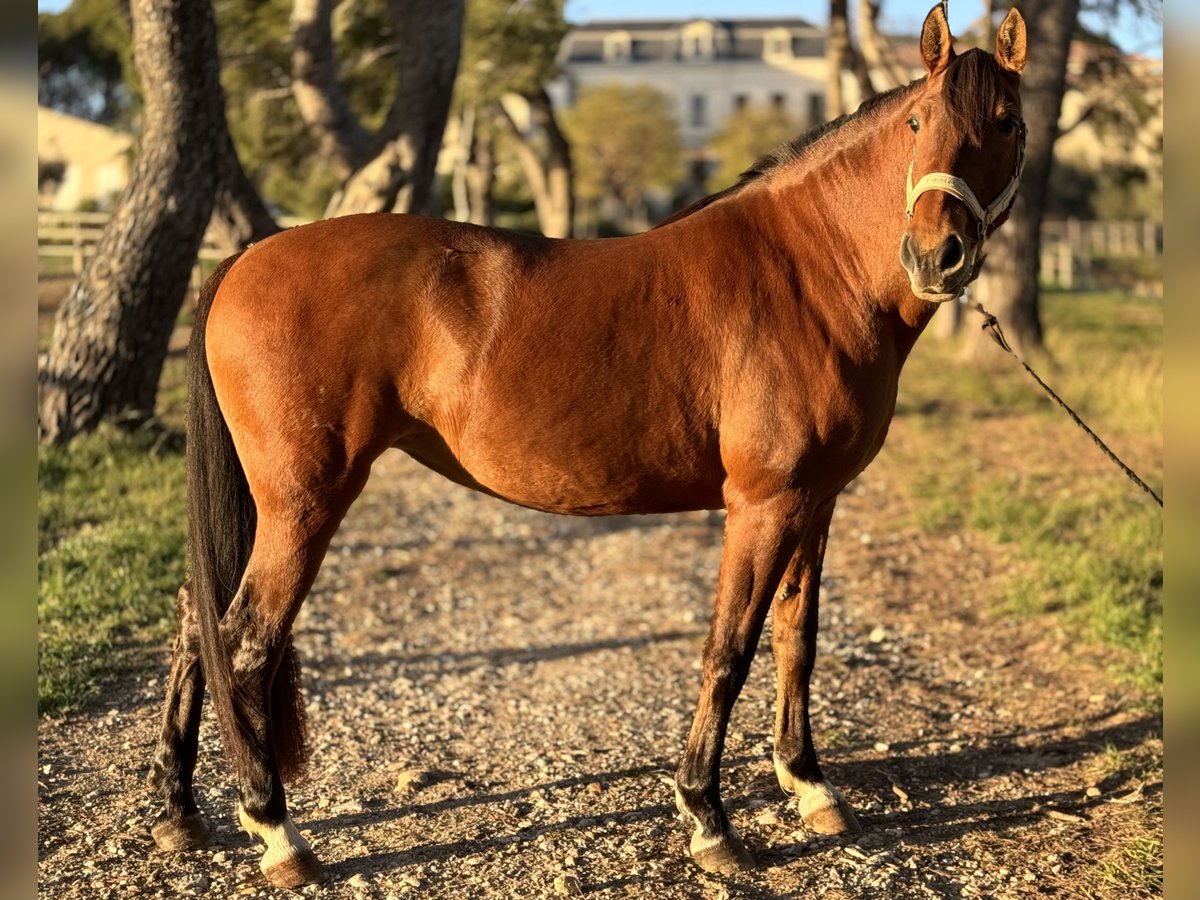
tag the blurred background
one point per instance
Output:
(646, 105)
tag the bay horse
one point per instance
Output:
(744, 354)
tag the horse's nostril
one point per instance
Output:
(907, 257)
(952, 253)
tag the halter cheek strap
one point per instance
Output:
(956, 187)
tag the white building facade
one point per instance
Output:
(707, 68)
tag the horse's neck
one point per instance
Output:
(849, 189)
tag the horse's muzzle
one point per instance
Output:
(939, 273)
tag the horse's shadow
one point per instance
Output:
(928, 822)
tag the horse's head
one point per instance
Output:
(968, 146)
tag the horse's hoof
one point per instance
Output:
(830, 815)
(724, 857)
(296, 871)
(188, 833)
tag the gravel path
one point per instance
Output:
(497, 699)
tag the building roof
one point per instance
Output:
(663, 39)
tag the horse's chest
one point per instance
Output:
(819, 429)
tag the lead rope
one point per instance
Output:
(992, 326)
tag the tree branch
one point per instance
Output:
(322, 103)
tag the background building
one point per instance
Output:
(708, 68)
(81, 164)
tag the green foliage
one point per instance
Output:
(626, 142)
(509, 48)
(274, 144)
(272, 140)
(85, 62)
(1127, 192)
(111, 514)
(1119, 104)
(1089, 543)
(746, 136)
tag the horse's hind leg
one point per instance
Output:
(256, 629)
(794, 641)
(179, 825)
(295, 524)
(759, 540)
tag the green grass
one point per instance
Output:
(1133, 870)
(111, 519)
(1086, 544)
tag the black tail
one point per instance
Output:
(221, 522)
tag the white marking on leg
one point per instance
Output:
(787, 780)
(815, 796)
(811, 796)
(701, 841)
(283, 841)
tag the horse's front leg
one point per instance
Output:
(794, 641)
(760, 538)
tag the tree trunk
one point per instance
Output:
(462, 159)
(110, 337)
(858, 65)
(549, 176)
(239, 216)
(323, 106)
(430, 39)
(1008, 286)
(393, 169)
(480, 177)
(876, 53)
(837, 53)
(990, 8)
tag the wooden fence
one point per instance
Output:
(1080, 255)
(67, 240)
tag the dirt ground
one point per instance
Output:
(530, 680)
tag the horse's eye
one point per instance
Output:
(914, 124)
(1008, 124)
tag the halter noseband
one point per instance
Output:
(955, 186)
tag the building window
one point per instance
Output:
(699, 111)
(777, 44)
(778, 102)
(696, 40)
(699, 169)
(739, 102)
(816, 110)
(618, 46)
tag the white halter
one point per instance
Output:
(955, 186)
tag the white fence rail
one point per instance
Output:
(1074, 252)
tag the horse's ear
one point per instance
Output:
(1010, 42)
(936, 49)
